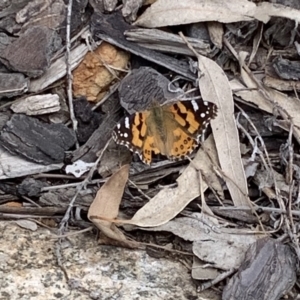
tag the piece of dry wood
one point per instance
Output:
(281, 85)
(268, 272)
(37, 105)
(39, 142)
(111, 28)
(96, 142)
(13, 84)
(12, 166)
(57, 70)
(167, 42)
(42, 211)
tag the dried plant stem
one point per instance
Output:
(69, 74)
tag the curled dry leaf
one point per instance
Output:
(214, 87)
(106, 205)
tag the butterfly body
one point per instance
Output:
(172, 130)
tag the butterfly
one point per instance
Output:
(173, 130)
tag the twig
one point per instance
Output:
(68, 185)
(69, 74)
(72, 233)
(261, 208)
(139, 190)
(219, 278)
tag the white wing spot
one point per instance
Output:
(125, 135)
(207, 112)
(127, 124)
(205, 103)
(195, 105)
(202, 115)
(119, 126)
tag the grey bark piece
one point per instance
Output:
(50, 14)
(167, 42)
(287, 69)
(9, 25)
(142, 86)
(111, 28)
(37, 141)
(5, 40)
(268, 271)
(10, 7)
(12, 166)
(32, 51)
(88, 120)
(96, 142)
(58, 69)
(12, 84)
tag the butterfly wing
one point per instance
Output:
(132, 132)
(194, 116)
(185, 121)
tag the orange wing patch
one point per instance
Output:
(139, 129)
(183, 144)
(148, 148)
(185, 117)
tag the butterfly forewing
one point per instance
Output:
(194, 116)
(132, 133)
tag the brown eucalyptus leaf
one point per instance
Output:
(106, 204)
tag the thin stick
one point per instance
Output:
(69, 74)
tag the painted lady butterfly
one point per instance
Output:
(172, 130)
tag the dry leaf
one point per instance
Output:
(171, 201)
(266, 10)
(214, 87)
(106, 204)
(216, 32)
(176, 12)
(222, 247)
